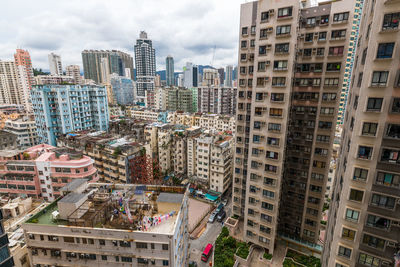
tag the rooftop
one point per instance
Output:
(149, 208)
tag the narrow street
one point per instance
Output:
(209, 236)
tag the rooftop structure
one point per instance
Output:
(112, 224)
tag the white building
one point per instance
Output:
(25, 130)
(55, 64)
(228, 75)
(53, 79)
(69, 233)
(75, 72)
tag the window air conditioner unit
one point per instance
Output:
(270, 29)
(271, 12)
(267, 63)
(269, 46)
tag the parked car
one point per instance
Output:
(213, 216)
(221, 216)
(219, 207)
(225, 201)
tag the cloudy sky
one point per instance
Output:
(186, 29)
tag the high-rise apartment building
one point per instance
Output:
(117, 63)
(221, 74)
(6, 260)
(61, 109)
(228, 77)
(180, 99)
(75, 72)
(285, 130)
(195, 75)
(169, 63)
(25, 75)
(145, 61)
(188, 75)
(9, 83)
(363, 227)
(55, 64)
(122, 89)
(217, 100)
(25, 130)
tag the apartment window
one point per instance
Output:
(314, 200)
(324, 124)
(364, 152)
(273, 141)
(374, 104)
(348, 234)
(388, 179)
(378, 222)
(141, 245)
(364, 56)
(125, 244)
(282, 48)
(245, 30)
(260, 81)
(319, 164)
(307, 52)
(391, 21)
(310, 22)
(263, 33)
(265, 229)
(308, 233)
(320, 51)
(373, 241)
(266, 217)
(379, 78)
(328, 96)
(352, 215)
(344, 252)
(383, 201)
(243, 44)
(312, 212)
(252, 43)
(369, 128)
(338, 34)
(395, 105)
(285, 12)
(390, 155)
(243, 70)
(68, 239)
(327, 111)
(243, 57)
(356, 195)
(275, 112)
(336, 51)
(164, 246)
(282, 30)
(341, 17)
(315, 188)
(264, 16)
(309, 37)
(250, 82)
(278, 81)
(275, 127)
(270, 168)
(272, 155)
(360, 174)
(317, 176)
(277, 97)
(280, 64)
(385, 50)
(268, 194)
(253, 30)
(360, 77)
(267, 206)
(369, 260)
(333, 66)
(261, 66)
(322, 36)
(262, 50)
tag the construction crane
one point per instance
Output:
(213, 57)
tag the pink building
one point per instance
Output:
(40, 171)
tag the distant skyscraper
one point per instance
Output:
(228, 76)
(180, 79)
(117, 62)
(55, 64)
(145, 62)
(25, 74)
(170, 70)
(122, 89)
(195, 75)
(188, 74)
(75, 72)
(221, 73)
(76, 108)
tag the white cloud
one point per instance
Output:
(186, 29)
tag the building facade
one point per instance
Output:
(120, 241)
(25, 130)
(180, 99)
(6, 259)
(61, 109)
(117, 63)
(285, 131)
(40, 171)
(145, 60)
(74, 72)
(363, 227)
(228, 77)
(55, 64)
(9, 84)
(122, 90)
(23, 63)
(54, 79)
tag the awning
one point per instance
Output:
(211, 197)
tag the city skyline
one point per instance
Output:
(207, 24)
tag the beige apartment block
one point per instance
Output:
(291, 64)
(364, 217)
(221, 164)
(111, 225)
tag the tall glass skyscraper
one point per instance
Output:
(169, 62)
